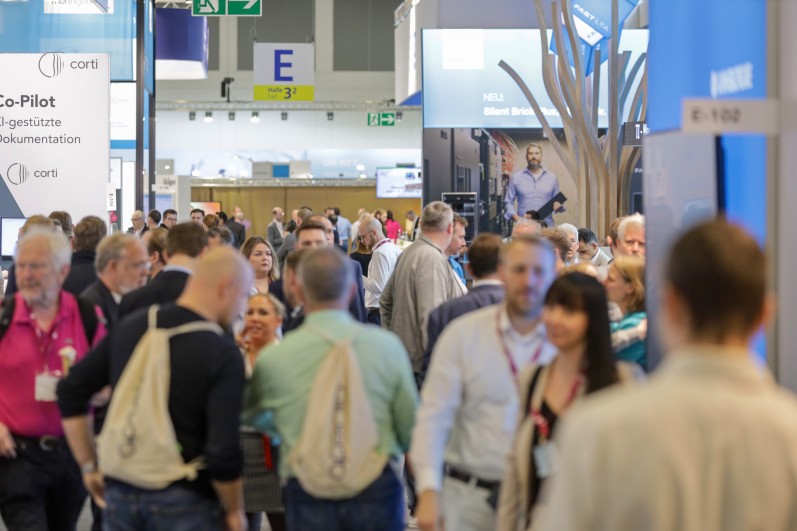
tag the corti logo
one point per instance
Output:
(17, 174)
(51, 64)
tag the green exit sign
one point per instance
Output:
(233, 8)
(384, 119)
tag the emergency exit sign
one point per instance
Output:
(233, 8)
(377, 119)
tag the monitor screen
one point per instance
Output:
(394, 183)
(463, 86)
(209, 207)
(9, 232)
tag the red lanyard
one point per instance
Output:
(541, 423)
(505, 348)
(380, 244)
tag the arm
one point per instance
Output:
(560, 208)
(441, 396)
(509, 201)
(79, 434)
(357, 306)
(431, 288)
(231, 494)
(386, 302)
(378, 274)
(405, 396)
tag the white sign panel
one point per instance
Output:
(78, 7)
(54, 133)
(123, 111)
(284, 72)
(730, 116)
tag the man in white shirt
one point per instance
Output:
(469, 405)
(710, 443)
(384, 256)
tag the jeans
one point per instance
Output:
(380, 507)
(374, 317)
(175, 508)
(40, 490)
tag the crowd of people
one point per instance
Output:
(373, 375)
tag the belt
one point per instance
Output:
(469, 478)
(372, 309)
(48, 443)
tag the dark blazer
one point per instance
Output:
(82, 275)
(99, 294)
(287, 246)
(238, 230)
(274, 236)
(166, 287)
(478, 297)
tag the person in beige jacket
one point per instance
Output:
(577, 322)
(421, 281)
(710, 443)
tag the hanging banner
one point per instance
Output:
(54, 134)
(284, 72)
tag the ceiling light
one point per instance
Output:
(284, 116)
(361, 167)
(255, 117)
(363, 176)
(208, 117)
(231, 116)
(330, 116)
(192, 116)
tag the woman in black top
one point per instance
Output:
(362, 255)
(577, 322)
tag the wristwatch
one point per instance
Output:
(89, 468)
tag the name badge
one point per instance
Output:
(545, 459)
(46, 383)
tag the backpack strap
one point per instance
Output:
(88, 316)
(533, 386)
(152, 316)
(197, 326)
(6, 314)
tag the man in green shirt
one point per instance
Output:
(280, 388)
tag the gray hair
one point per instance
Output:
(636, 220)
(437, 216)
(112, 248)
(325, 275)
(570, 229)
(57, 243)
(371, 223)
(526, 226)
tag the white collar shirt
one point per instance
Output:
(469, 405)
(383, 262)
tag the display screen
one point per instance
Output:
(209, 207)
(463, 86)
(9, 232)
(392, 183)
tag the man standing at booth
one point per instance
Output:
(532, 187)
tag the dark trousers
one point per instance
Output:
(40, 490)
(374, 317)
(380, 507)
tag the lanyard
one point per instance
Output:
(541, 423)
(380, 244)
(512, 366)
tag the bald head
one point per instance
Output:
(219, 286)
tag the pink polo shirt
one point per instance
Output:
(25, 351)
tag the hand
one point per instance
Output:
(516, 218)
(101, 398)
(557, 206)
(236, 521)
(7, 446)
(95, 485)
(427, 512)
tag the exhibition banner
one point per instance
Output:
(284, 72)
(54, 134)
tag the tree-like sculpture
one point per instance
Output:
(599, 165)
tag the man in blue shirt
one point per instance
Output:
(532, 187)
(457, 246)
(344, 227)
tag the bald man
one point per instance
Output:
(207, 379)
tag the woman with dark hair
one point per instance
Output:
(577, 322)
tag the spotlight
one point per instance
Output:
(284, 116)
(231, 116)
(255, 117)
(363, 176)
(208, 117)
(330, 116)
(192, 116)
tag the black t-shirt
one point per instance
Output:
(205, 396)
